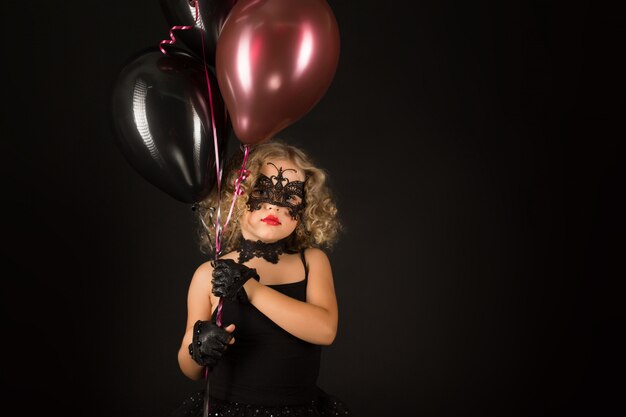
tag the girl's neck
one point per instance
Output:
(249, 249)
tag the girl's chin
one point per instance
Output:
(269, 236)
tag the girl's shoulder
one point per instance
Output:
(204, 270)
(315, 255)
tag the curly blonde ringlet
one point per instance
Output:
(319, 225)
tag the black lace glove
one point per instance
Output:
(229, 277)
(209, 343)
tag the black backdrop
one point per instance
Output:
(476, 152)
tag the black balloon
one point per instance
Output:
(213, 14)
(162, 119)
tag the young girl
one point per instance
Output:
(279, 304)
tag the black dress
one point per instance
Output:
(268, 371)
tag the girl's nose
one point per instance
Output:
(271, 206)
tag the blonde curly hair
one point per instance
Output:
(318, 226)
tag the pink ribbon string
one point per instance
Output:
(172, 39)
(218, 172)
(218, 167)
(243, 174)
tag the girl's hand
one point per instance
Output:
(229, 278)
(209, 342)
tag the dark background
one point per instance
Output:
(476, 153)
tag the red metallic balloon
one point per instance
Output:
(275, 60)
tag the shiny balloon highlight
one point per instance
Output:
(161, 114)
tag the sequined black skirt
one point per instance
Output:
(325, 405)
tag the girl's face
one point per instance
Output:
(276, 196)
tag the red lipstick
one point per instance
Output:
(271, 220)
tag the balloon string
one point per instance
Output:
(243, 174)
(218, 167)
(218, 231)
(172, 39)
(205, 406)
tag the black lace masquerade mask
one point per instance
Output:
(279, 191)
